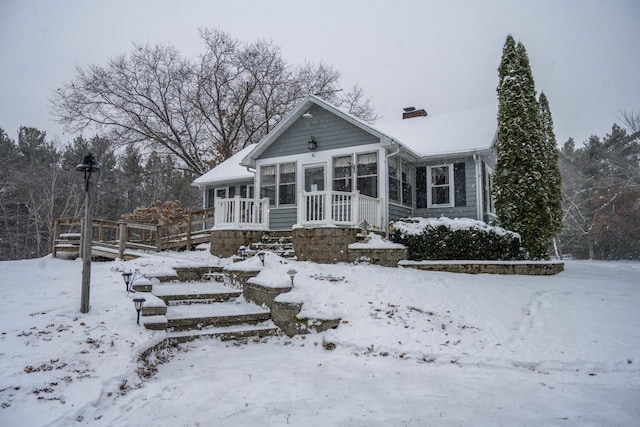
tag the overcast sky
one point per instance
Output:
(439, 55)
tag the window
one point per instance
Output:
(211, 197)
(394, 182)
(246, 191)
(278, 183)
(287, 187)
(399, 181)
(439, 179)
(342, 174)
(405, 180)
(268, 183)
(367, 174)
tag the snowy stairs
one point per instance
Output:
(280, 244)
(204, 309)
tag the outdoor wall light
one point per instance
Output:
(261, 256)
(307, 115)
(292, 273)
(138, 303)
(312, 144)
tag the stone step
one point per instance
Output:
(198, 316)
(225, 333)
(195, 292)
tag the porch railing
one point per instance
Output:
(242, 213)
(338, 208)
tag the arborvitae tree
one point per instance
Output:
(522, 204)
(554, 179)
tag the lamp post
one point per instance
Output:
(88, 166)
(138, 303)
(292, 273)
(261, 256)
(129, 278)
(242, 251)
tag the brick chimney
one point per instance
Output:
(411, 112)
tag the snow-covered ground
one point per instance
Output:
(414, 348)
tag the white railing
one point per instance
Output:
(241, 213)
(319, 208)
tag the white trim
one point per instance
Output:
(451, 203)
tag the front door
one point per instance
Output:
(314, 178)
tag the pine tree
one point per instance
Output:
(554, 180)
(522, 202)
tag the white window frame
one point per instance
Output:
(431, 186)
(276, 202)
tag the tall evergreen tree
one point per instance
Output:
(554, 180)
(522, 203)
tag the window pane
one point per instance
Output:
(368, 186)
(440, 175)
(268, 175)
(342, 174)
(287, 173)
(270, 192)
(367, 164)
(440, 195)
(287, 194)
(394, 194)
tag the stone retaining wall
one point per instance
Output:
(324, 245)
(378, 256)
(225, 243)
(506, 267)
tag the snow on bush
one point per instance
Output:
(459, 239)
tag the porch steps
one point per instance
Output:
(204, 309)
(281, 244)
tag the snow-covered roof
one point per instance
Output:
(229, 170)
(469, 130)
(447, 133)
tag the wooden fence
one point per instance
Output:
(113, 238)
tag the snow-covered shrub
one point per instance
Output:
(461, 239)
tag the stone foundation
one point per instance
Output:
(225, 243)
(324, 245)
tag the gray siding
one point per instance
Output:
(396, 212)
(282, 218)
(468, 211)
(329, 131)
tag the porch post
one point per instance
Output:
(356, 208)
(328, 204)
(236, 210)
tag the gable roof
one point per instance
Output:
(296, 113)
(229, 170)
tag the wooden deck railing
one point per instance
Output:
(122, 235)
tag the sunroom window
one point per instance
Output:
(342, 174)
(287, 184)
(367, 174)
(268, 183)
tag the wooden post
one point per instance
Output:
(81, 248)
(123, 236)
(87, 237)
(189, 222)
(56, 231)
(159, 238)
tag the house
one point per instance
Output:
(321, 167)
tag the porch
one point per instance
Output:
(314, 209)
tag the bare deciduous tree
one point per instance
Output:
(203, 111)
